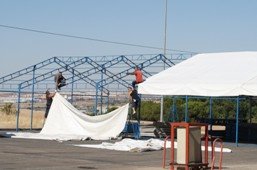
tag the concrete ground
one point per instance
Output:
(53, 155)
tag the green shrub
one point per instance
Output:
(8, 109)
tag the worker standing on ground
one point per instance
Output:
(49, 100)
(134, 99)
(139, 76)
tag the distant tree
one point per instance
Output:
(199, 108)
(8, 109)
(109, 109)
(150, 110)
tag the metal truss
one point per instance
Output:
(100, 76)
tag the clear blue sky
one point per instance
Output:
(193, 25)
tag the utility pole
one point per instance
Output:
(164, 53)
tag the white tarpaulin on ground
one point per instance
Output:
(132, 145)
(64, 119)
(213, 74)
(65, 122)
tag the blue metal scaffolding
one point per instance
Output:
(98, 76)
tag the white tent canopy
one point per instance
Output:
(210, 74)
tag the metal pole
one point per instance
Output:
(164, 52)
(250, 109)
(72, 86)
(165, 28)
(18, 108)
(186, 109)
(32, 98)
(107, 104)
(174, 109)
(139, 110)
(161, 115)
(237, 115)
(210, 114)
(101, 88)
(96, 97)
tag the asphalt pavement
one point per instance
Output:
(31, 154)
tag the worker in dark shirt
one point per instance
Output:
(134, 99)
(49, 100)
(60, 81)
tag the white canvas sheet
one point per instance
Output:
(34, 135)
(132, 145)
(213, 74)
(65, 120)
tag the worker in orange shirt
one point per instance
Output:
(139, 76)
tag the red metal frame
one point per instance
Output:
(174, 125)
(164, 152)
(217, 140)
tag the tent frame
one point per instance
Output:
(186, 117)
